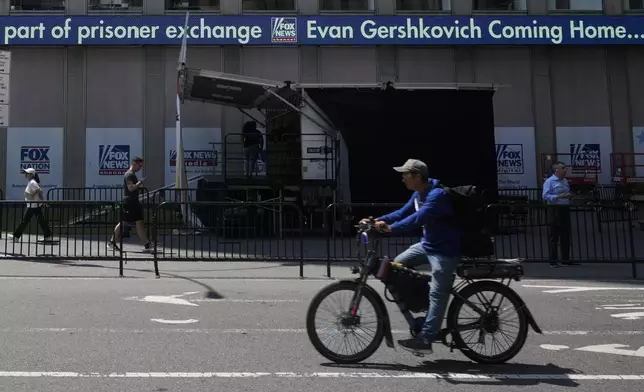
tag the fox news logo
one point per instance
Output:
(509, 159)
(284, 30)
(585, 156)
(36, 157)
(113, 159)
(195, 158)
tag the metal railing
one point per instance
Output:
(229, 231)
(598, 233)
(290, 157)
(84, 240)
(274, 231)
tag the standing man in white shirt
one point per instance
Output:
(556, 191)
(34, 196)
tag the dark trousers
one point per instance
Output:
(559, 232)
(42, 221)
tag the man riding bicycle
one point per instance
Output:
(429, 207)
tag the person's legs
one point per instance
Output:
(564, 235)
(42, 221)
(553, 236)
(247, 161)
(26, 217)
(413, 256)
(253, 156)
(443, 269)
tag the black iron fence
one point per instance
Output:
(598, 233)
(228, 231)
(274, 231)
(70, 230)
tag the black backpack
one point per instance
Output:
(472, 219)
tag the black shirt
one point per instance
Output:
(252, 138)
(131, 177)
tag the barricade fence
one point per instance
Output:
(228, 231)
(78, 230)
(592, 239)
(274, 231)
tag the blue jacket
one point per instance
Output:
(440, 235)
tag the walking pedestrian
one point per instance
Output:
(35, 197)
(132, 209)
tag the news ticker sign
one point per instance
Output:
(323, 30)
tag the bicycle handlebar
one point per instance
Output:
(368, 227)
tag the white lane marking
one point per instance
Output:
(629, 316)
(269, 330)
(166, 299)
(553, 347)
(336, 375)
(617, 349)
(621, 308)
(164, 321)
(576, 289)
(236, 279)
(248, 300)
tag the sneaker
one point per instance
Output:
(149, 246)
(15, 239)
(112, 245)
(416, 345)
(48, 239)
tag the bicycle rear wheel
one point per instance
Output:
(492, 330)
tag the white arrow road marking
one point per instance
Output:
(621, 308)
(191, 321)
(578, 289)
(553, 347)
(629, 316)
(613, 349)
(166, 299)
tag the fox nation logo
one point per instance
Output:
(284, 30)
(113, 159)
(509, 159)
(36, 157)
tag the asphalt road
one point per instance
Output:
(73, 333)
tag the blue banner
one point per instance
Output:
(322, 30)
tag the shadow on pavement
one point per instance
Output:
(494, 374)
(210, 292)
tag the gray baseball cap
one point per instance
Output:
(413, 166)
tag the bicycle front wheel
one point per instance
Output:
(499, 334)
(338, 335)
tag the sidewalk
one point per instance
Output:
(268, 270)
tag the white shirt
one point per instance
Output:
(30, 194)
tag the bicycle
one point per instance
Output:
(409, 289)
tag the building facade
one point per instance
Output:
(548, 95)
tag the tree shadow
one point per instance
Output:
(515, 374)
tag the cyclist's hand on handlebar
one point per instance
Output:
(382, 226)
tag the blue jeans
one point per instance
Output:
(443, 269)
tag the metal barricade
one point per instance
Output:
(229, 231)
(339, 220)
(591, 240)
(80, 230)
